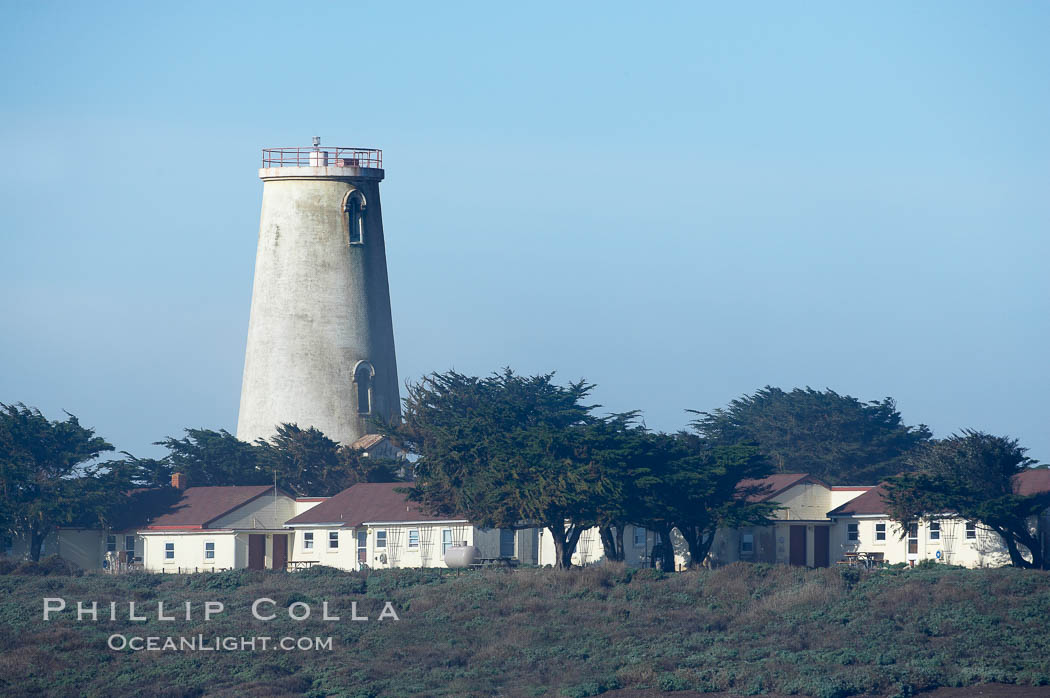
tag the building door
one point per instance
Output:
(280, 552)
(362, 549)
(797, 552)
(506, 542)
(256, 551)
(913, 541)
(821, 546)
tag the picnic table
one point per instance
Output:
(858, 558)
(295, 565)
(495, 562)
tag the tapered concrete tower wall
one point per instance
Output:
(320, 339)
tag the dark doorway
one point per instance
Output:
(280, 552)
(821, 546)
(797, 553)
(506, 542)
(256, 551)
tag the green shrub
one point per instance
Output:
(744, 628)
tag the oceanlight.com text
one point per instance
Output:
(216, 643)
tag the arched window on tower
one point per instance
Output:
(354, 208)
(363, 377)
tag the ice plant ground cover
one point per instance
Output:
(743, 629)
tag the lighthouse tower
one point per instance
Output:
(320, 339)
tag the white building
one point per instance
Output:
(374, 525)
(217, 528)
(802, 534)
(187, 529)
(863, 527)
(818, 525)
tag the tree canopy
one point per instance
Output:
(308, 463)
(47, 478)
(508, 450)
(504, 451)
(834, 437)
(209, 458)
(704, 491)
(972, 475)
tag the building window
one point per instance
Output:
(355, 218)
(380, 539)
(971, 530)
(308, 540)
(935, 530)
(333, 540)
(446, 540)
(853, 532)
(111, 544)
(209, 550)
(880, 531)
(363, 375)
(639, 537)
(747, 544)
(413, 538)
(169, 551)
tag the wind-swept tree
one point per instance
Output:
(639, 461)
(209, 458)
(834, 437)
(973, 475)
(506, 451)
(304, 461)
(706, 492)
(309, 463)
(648, 491)
(46, 476)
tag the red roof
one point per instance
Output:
(366, 502)
(870, 502)
(775, 484)
(1032, 482)
(199, 506)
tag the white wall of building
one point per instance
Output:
(189, 551)
(984, 549)
(386, 545)
(304, 504)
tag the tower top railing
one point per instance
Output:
(322, 157)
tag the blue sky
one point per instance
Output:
(680, 203)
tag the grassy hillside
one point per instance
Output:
(745, 629)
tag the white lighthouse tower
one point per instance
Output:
(320, 339)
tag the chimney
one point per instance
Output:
(179, 481)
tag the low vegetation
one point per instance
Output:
(742, 629)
